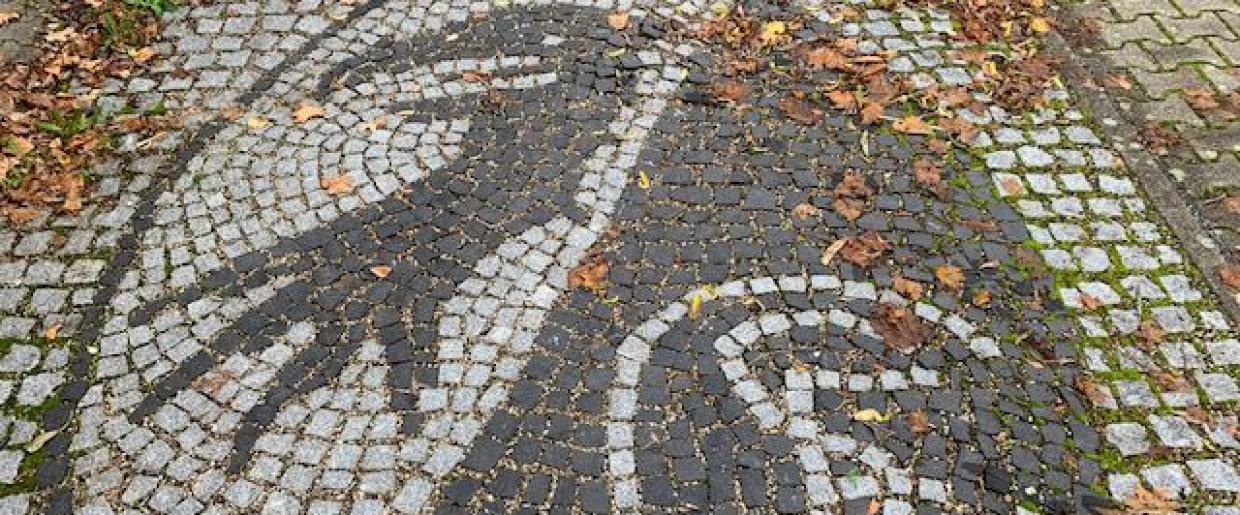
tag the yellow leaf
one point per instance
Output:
(695, 305)
(381, 271)
(307, 110)
(1040, 25)
(870, 415)
(643, 180)
(832, 250)
(912, 125)
(257, 123)
(950, 276)
(773, 32)
(143, 54)
(618, 20)
(52, 331)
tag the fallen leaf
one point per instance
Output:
(143, 54)
(773, 32)
(338, 185)
(805, 210)
(729, 91)
(1117, 81)
(1158, 138)
(800, 110)
(900, 328)
(982, 298)
(1040, 25)
(870, 415)
(851, 195)
(590, 274)
(21, 215)
(950, 276)
(8, 16)
(307, 110)
(1230, 274)
(979, 225)
(375, 124)
(1150, 332)
(827, 58)
(829, 253)
(19, 145)
(62, 36)
(381, 271)
(52, 331)
(211, 382)
(39, 441)
(912, 125)
(1011, 185)
(477, 77)
(871, 112)
(908, 287)
(1092, 391)
(257, 123)
(918, 422)
(864, 249)
(1089, 302)
(643, 180)
(1172, 382)
(695, 305)
(1201, 99)
(927, 174)
(1150, 502)
(873, 507)
(1198, 415)
(1232, 204)
(618, 20)
(843, 100)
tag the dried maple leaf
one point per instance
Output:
(375, 124)
(871, 112)
(307, 110)
(805, 210)
(1201, 99)
(938, 146)
(950, 276)
(1230, 274)
(912, 125)
(927, 174)
(843, 100)
(338, 185)
(1198, 415)
(590, 274)
(381, 271)
(827, 58)
(865, 249)
(729, 91)
(211, 382)
(908, 287)
(618, 20)
(851, 195)
(800, 110)
(900, 328)
(918, 422)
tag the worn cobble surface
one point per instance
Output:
(236, 335)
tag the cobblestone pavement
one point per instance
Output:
(1173, 50)
(241, 330)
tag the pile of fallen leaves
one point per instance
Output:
(51, 131)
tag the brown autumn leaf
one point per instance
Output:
(1172, 382)
(805, 210)
(912, 125)
(938, 146)
(590, 274)
(979, 225)
(918, 422)
(1230, 274)
(7, 15)
(211, 382)
(963, 129)
(873, 507)
(20, 145)
(375, 124)
(306, 111)
(1119, 81)
(871, 112)
(982, 298)
(52, 331)
(800, 110)
(618, 20)
(900, 328)
(1150, 332)
(338, 185)
(827, 58)
(381, 271)
(950, 276)
(865, 249)
(1150, 502)
(1231, 204)
(1201, 99)
(1092, 391)
(1198, 415)
(729, 91)
(851, 195)
(908, 287)
(829, 253)
(1089, 302)
(477, 77)
(19, 216)
(1011, 185)
(1159, 139)
(843, 100)
(927, 174)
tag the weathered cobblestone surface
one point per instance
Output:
(232, 346)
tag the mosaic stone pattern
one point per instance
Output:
(252, 341)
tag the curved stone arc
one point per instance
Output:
(599, 191)
(771, 411)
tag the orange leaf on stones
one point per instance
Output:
(618, 20)
(927, 174)
(307, 110)
(1201, 99)
(871, 112)
(1011, 185)
(477, 77)
(950, 276)
(843, 100)
(828, 58)
(381, 271)
(1039, 24)
(1117, 81)
(912, 125)
(729, 91)
(1232, 204)
(52, 331)
(1150, 332)
(900, 328)
(799, 110)
(982, 298)
(805, 210)
(908, 287)
(918, 422)
(8, 16)
(590, 274)
(1230, 274)
(1092, 391)
(851, 195)
(828, 254)
(338, 185)
(865, 249)
(1151, 502)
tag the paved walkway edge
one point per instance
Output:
(1147, 168)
